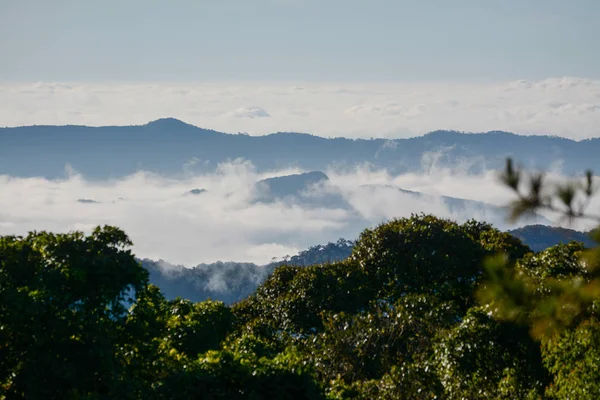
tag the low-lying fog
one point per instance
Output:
(226, 216)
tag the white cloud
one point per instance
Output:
(567, 107)
(224, 223)
(249, 112)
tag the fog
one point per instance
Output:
(225, 222)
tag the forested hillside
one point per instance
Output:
(233, 281)
(418, 311)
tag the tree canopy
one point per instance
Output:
(424, 308)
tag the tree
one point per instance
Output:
(426, 254)
(63, 306)
(569, 199)
(564, 300)
(369, 326)
(369, 344)
(292, 298)
(195, 328)
(554, 294)
(481, 358)
(572, 358)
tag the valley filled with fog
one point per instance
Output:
(236, 213)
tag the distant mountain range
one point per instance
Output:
(233, 281)
(171, 147)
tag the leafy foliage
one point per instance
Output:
(63, 310)
(396, 320)
(425, 254)
(195, 328)
(322, 254)
(292, 298)
(573, 359)
(497, 358)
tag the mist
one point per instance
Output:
(202, 218)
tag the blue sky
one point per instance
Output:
(298, 40)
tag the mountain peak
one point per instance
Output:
(288, 185)
(442, 134)
(305, 178)
(168, 123)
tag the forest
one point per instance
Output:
(423, 308)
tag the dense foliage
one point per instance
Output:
(415, 312)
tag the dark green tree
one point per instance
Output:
(293, 298)
(481, 358)
(426, 254)
(63, 308)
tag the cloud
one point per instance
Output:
(250, 112)
(224, 223)
(567, 107)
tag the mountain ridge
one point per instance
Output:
(166, 145)
(171, 122)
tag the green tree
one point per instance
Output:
(573, 358)
(481, 358)
(362, 353)
(224, 375)
(570, 287)
(195, 328)
(555, 293)
(426, 254)
(63, 307)
(293, 298)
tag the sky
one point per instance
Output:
(298, 40)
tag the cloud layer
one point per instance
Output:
(224, 223)
(568, 107)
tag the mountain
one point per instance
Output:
(225, 281)
(164, 146)
(461, 207)
(196, 192)
(314, 189)
(540, 237)
(232, 281)
(321, 254)
(310, 189)
(291, 185)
